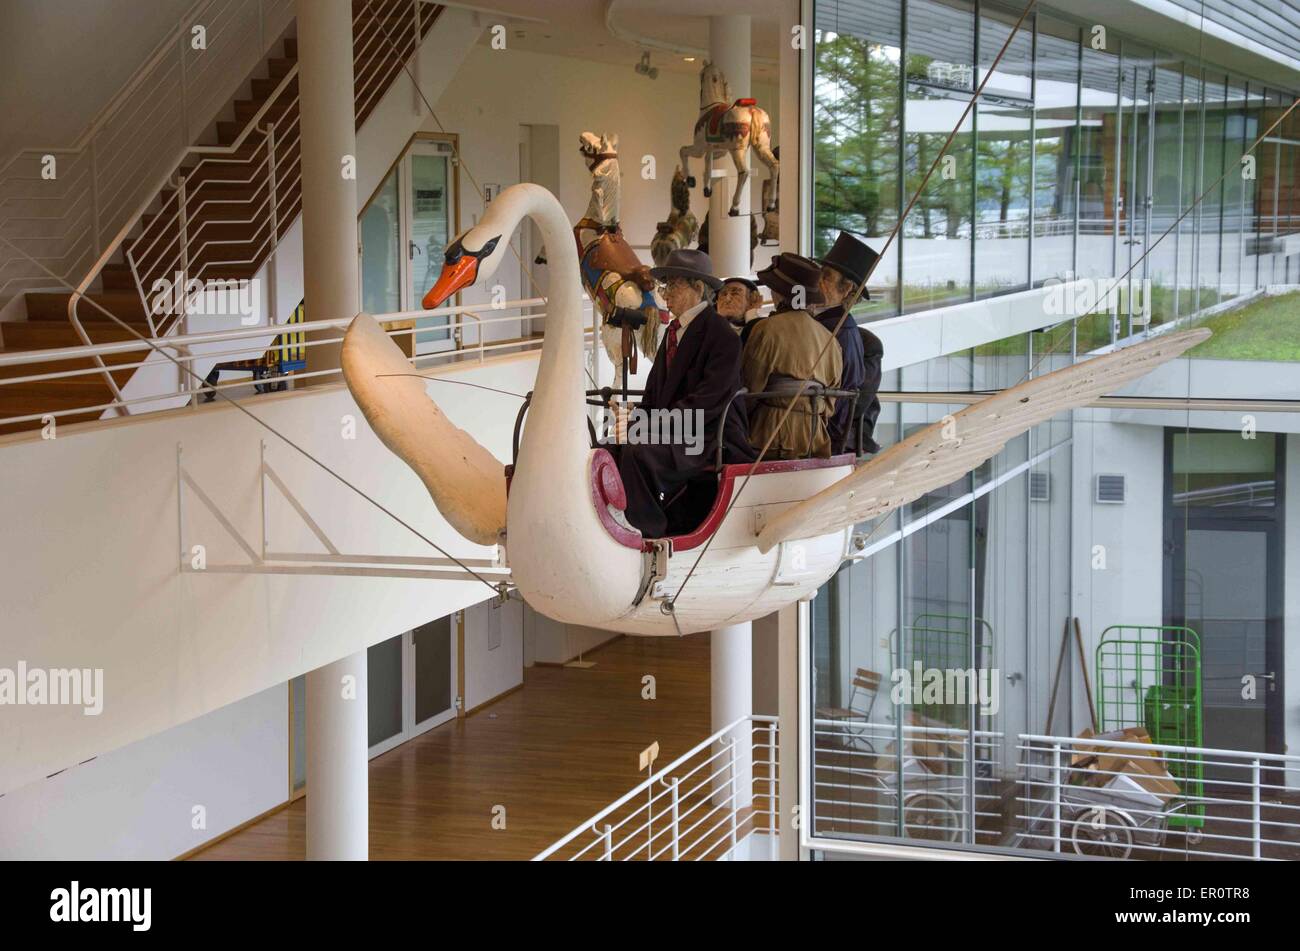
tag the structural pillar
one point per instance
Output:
(788, 621)
(338, 773)
(729, 50)
(329, 184)
(732, 697)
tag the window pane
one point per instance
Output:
(855, 133)
(940, 81)
(1056, 186)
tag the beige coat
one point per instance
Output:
(791, 344)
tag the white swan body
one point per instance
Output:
(788, 531)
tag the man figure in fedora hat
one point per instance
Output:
(844, 269)
(697, 370)
(783, 349)
(739, 301)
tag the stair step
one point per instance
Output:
(54, 307)
(117, 277)
(291, 47)
(279, 67)
(47, 334)
(65, 365)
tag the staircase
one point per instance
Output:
(221, 214)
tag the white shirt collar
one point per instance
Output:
(684, 320)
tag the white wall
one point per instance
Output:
(72, 53)
(138, 802)
(494, 650)
(92, 579)
(496, 91)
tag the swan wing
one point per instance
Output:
(467, 483)
(944, 451)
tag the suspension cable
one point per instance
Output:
(185, 368)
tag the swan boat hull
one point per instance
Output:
(730, 580)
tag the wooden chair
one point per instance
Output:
(866, 687)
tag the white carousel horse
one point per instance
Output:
(612, 274)
(732, 127)
(573, 561)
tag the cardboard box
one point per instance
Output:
(1133, 774)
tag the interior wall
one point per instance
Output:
(494, 650)
(43, 61)
(139, 802)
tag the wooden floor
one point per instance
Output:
(553, 754)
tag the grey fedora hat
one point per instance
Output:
(690, 263)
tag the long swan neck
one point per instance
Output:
(556, 427)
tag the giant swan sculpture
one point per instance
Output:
(572, 561)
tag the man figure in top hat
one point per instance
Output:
(784, 349)
(696, 371)
(845, 268)
(739, 301)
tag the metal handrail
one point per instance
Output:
(184, 253)
(645, 788)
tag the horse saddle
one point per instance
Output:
(712, 120)
(611, 252)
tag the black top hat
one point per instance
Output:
(851, 256)
(752, 285)
(690, 263)
(788, 271)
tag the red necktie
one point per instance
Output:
(671, 344)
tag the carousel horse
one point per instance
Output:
(619, 285)
(681, 227)
(573, 561)
(729, 126)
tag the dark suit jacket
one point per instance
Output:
(704, 374)
(853, 375)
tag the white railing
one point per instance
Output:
(196, 232)
(100, 180)
(508, 323)
(1121, 799)
(935, 792)
(707, 804)
(1059, 795)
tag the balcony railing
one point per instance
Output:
(1050, 795)
(707, 804)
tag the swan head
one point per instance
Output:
(474, 254)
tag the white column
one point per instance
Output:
(731, 680)
(729, 50)
(788, 711)
(790, 133)
(329, 186)
(338, 772)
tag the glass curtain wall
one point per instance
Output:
(1079, 156)
(1082, 152)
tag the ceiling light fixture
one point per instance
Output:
(644, 68)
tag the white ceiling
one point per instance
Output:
(578, 28)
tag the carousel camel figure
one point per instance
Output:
(680, 229)
(729, 126)
(619, 285)
(777, 543)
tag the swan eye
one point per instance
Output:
(454, 252)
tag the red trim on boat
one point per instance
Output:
(606, 490)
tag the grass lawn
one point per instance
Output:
(1267, 329)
